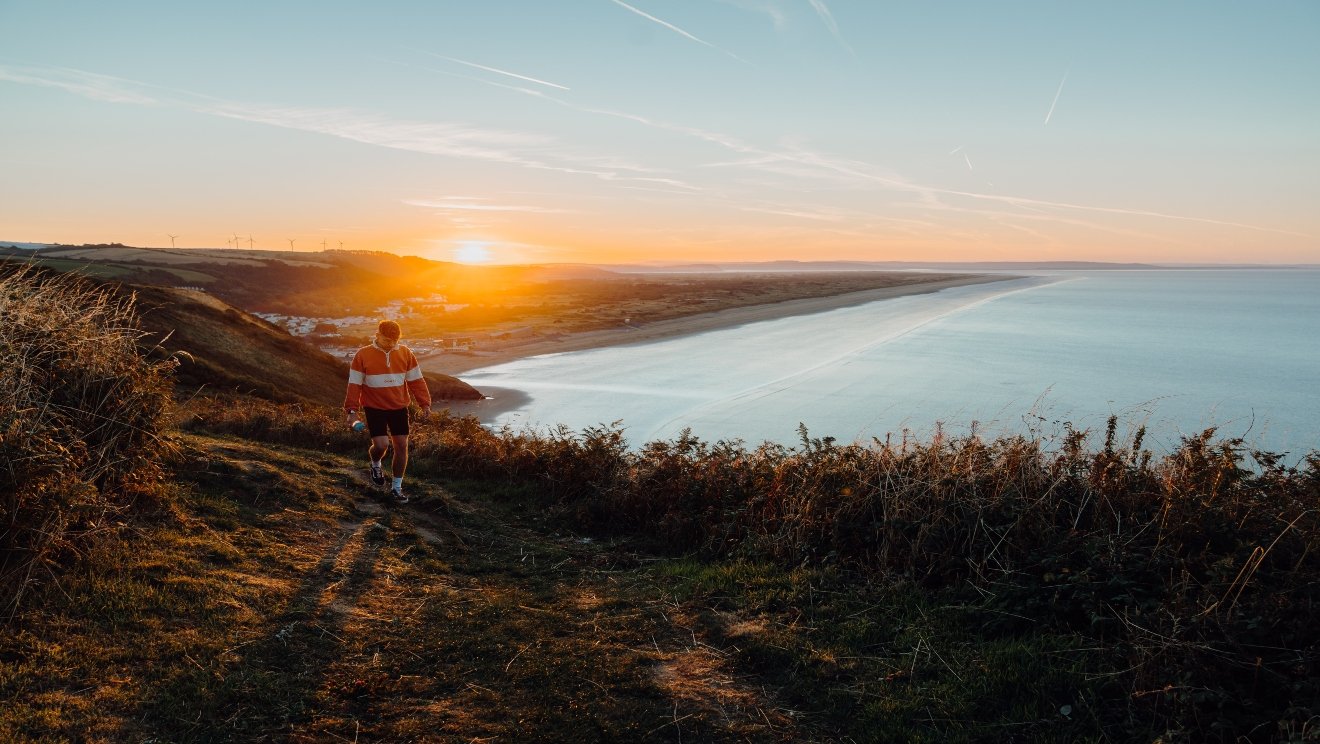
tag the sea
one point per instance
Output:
(1172, 351)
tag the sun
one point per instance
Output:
(472, 253)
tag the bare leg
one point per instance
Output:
(400, 461)
(379, 446)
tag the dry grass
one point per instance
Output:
(279, 601)
(891, 589)
(80, 417)
(1199, 569)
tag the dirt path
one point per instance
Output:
(280, 599)
(462, 625)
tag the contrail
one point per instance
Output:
(1056, 97)
(675, 29)
(503, 72)
(828, 18)
(957, 150)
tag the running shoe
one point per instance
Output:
(398, 495)
(377, 475)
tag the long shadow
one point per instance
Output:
(271, 690)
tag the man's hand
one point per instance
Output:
(349, 418)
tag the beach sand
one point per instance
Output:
(502, 400)
(455, 363)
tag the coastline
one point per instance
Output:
(457, 363)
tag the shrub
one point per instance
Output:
(81, 411)
(1197, 571)
(297, 424)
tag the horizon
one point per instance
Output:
(730, 131)
(713, 265)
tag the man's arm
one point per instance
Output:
(417, 385)
(353, 397)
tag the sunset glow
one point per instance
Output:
(644, 131)
(472, 253)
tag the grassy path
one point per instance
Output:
(278, 600)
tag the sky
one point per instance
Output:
(605, 131)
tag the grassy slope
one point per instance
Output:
(279, 600)
(230, 350)
(275, 599)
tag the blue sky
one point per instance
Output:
(603, 130)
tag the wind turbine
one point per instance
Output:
(341, 245)
(322, 244)
(250, 242)
(291, 243)
(235, 240)
(172, 237)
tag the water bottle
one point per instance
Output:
(359, 426)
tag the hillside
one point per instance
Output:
(229, 350)
(342, 292)
(322, 283)
(281, 601)
(205, 571)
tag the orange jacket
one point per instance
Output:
(383, 379)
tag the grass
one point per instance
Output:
(893, 663)
(567, 586)
(279, 600)
(118, 271)
(81, 411)
(1193, 577)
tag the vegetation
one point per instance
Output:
(221, 349)
(338, 284)
(81, 417)
(1194, 578)
(570, 587)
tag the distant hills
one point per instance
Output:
(338, 283)
(225, 351)
(228, 350)
(324, 283)
(972, 266)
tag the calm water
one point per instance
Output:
(1176, 351)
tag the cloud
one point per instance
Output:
(862, 172)
(777, 15)
(501, 72)
(446, 139)
(828, 19)
(800, 163)
(538, 152)
(477, 204)
(85, 84)
(675, 29)
(826, 215)
(449, 140)
(1055, 102)
(453, 140)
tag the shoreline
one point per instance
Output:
(457, 363)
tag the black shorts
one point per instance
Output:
(380, 419)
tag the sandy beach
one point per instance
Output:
(452, 363)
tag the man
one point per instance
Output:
(379, 381)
